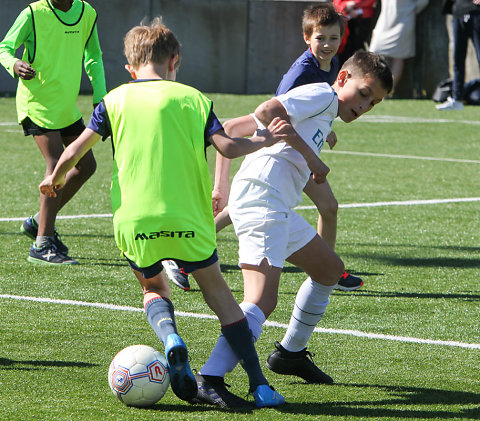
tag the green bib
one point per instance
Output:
(50, 98)
(161, 188)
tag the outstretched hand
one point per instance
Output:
(49, 188)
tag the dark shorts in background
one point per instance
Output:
(189, 267)
(31, 129)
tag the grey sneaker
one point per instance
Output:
(49, 255)
(30, 229)
(176, 274)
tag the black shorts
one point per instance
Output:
(31, 129)
(189, 267)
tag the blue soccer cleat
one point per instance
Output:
(182, 379)
(267, 397)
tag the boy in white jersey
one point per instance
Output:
(264, 192)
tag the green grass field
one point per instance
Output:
(406, 346)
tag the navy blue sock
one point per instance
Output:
(160, 315)
(241, 340)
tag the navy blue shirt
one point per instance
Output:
(99, 122)
(306, 69)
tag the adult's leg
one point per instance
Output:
(460, 45)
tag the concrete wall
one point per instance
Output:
(240, 46)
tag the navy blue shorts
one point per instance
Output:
(189, 267)
(31, 129)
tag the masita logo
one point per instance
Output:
(164, 234)
(72, 32)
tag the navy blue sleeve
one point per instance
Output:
(213, 125)
(99, 121)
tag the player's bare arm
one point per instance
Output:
(233, 147)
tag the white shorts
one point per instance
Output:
(265, 227)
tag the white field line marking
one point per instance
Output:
(412, 120)
(356, 333)
(400, 203)
(384, 155)
(344, 206)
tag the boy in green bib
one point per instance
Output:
(58, 35)
(161, 197)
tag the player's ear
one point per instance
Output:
(306, 38)
(131, 70)
(343, 76)
(173, 63)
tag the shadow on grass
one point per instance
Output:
(196, 409)
(8, 364)
(409, 397)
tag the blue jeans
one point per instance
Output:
(464, 28)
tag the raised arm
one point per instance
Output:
(273, 108)
(69, 158)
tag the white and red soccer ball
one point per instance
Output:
(138, 375)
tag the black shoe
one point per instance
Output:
(348, 282)
(212, 390)
(298, 364)
(30, 229)
(49, 255)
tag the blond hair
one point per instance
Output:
(153, 43)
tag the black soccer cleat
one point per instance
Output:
(298, 364)
(349, 282)
(212, 390)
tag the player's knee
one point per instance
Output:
(329, 209)
(87, 169)
(333, 271)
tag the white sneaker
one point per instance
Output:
(176, 274)
(450, 104)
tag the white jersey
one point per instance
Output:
(312, 109)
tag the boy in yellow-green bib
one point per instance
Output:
(161, 198)
(58, 35)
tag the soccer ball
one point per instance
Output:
(138, 375)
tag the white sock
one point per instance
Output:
(310, 305)
(222, 359)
